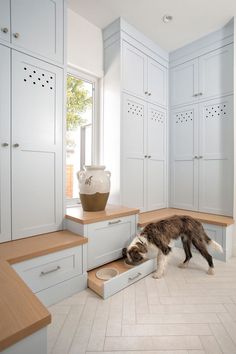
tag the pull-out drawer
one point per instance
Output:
(107, 238)
(126, 277)
(43, 272)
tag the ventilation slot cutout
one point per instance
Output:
(184, 117)
(134, 109)
(157, 116)
(216, 111)
(38, 78)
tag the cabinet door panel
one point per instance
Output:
(36, 162)
(40, 26)
(5, 20)
(5, 193)
(107, 238)
(156, 142)
(184, 165)
(216, 72)
(184, 83)
(134, 70)
(134, 182)
(216, 149)
(157, 81)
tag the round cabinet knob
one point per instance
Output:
(145, 92)
(16, 35)
(4, 29)
(149, 156)
(149, 94)
(200, 94)
(16, 145)
(5, 144)
(195, 157)
(200, 157)
(145, 156)
(195, 95)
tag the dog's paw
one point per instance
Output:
(157, 275)
(211, 271)
(183, 265)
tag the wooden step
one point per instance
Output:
(157, 215)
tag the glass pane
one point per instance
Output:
(79, 116)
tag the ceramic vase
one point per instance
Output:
(94, 187)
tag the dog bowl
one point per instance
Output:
(106, 273)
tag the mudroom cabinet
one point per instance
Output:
(135, 117)
(31, 117)
(144, 176)
(34, 26)
(201, 125)
(205, 77)
(143, 76)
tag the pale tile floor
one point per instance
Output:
(186, 312)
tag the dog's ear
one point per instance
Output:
(124, 252)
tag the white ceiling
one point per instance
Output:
(192, 19)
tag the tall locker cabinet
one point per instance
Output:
(31, 117)
(5, 145)
(202, 125)
(135, 117)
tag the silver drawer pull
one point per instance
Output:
(135, 276)
(50, 271)
(114, 222)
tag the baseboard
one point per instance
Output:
(62, 290)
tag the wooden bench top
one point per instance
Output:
(157, 215)
(77, 214)
(21, 313)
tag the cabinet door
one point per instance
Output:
(5, 20)
(156, 165)
(107, 238)
(184, 83)
(37, 106)
(157, 83)
(134, 70)
(134, 152)
(216, 156)
(184, 161)
(216, 73)
(37, 26)
(5, 157)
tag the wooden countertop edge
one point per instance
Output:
(45, 252)
(44, 318)
(101, 218)
(201, 219)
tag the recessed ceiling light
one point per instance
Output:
(167, 18)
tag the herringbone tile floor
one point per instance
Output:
(186, 312)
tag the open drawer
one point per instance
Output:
(127, 276)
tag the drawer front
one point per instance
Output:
(42, 272)
(131, 276)
(107, 238)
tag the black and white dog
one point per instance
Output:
(154, 241)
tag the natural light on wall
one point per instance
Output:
(79, 127)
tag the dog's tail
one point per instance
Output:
(214, 245)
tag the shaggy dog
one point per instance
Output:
(154, 241)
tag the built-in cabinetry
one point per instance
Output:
(34, 26)
(107, 235)
(31, 118)
(55, 276)
(201, 121)
(135, 117)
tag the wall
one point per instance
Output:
(234, 237)
(84, 45)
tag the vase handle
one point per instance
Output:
(108, 173)
(81, 175)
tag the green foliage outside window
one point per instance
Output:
(78, 101)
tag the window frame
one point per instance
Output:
(71, 71)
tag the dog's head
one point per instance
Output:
(135, 253)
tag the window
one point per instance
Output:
(80, 123)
